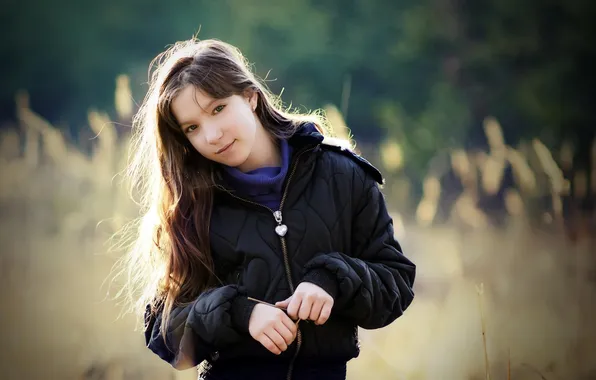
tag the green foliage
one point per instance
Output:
(426, 71)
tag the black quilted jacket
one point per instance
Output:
(339, 236)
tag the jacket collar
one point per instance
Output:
(306, 135)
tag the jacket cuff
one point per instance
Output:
(241, 310)
(323, 279)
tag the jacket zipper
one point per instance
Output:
(278, 218)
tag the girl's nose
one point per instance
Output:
(213, 135)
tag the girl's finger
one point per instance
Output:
(305, 308)
(315, 311)
(268, 344)
(283, 304)
(275, 336)
(294, 306)
(325, 313)
(285, 333)
(287, 322)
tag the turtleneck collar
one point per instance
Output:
(263, 185)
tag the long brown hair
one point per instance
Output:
(169, 261)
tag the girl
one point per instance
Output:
(261, 248)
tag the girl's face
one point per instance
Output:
(221, 130)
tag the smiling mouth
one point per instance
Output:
(225, 147)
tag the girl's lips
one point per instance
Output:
(225, 147)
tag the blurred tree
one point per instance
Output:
(425, 72)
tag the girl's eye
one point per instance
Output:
(191, 128)
(219, 108)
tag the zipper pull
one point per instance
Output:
(281, 229)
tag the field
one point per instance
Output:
(513, 301)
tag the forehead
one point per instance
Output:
(192, 97)
(189, 102)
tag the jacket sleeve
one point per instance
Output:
(374, 284)
(216, 319)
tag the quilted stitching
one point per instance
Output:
(340, 204)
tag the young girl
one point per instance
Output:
(261, 247)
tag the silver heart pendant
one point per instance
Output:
(281, 230)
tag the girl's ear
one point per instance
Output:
(252, 96)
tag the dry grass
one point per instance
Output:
(59, 206)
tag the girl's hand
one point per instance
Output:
(272, 328)
(308, 302)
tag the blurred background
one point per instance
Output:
(478, 113)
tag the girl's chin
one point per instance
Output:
(235, 161)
